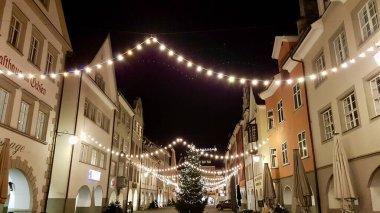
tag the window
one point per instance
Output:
(328, 124)
(23, 116)
(284, 150)
(297, 96)
(94, 154)
(340, 48)
(84, 153)
(270, 119)
(14, 32)
(320, 66)
(94, 114)
(33, 52)
(102, 158)
(49, 64)
(40, 128)
(4, 97)
(273, 158)
(113, 168)
(350, 110)
(302, 144)
(375, 88)
(280, 111)
(368, 19)
(99, 81)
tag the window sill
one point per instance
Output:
(286, 164)
(274, 167)
(374, 118)
(327, 140)
(89, 164)
(23, 134)
(296, 109)
(15, 48)
(350, 130)
(305, 157)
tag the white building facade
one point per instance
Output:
(81, 180)
(33, 45)
(341, 51)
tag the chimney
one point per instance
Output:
(308, 14)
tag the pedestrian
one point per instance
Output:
(130, 206)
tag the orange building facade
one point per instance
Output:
(288, 123)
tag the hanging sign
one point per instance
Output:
(94, 175)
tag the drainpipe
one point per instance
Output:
(129, 164)
(109, 165)
(311, 134)
(54, 144)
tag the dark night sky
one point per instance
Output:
(235, 37)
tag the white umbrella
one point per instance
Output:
(343, 187)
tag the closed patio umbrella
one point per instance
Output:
(302, 189)
(343, 187)
(280, 195)
(4, 170)
(269, 193)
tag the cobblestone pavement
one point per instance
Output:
(209, 209)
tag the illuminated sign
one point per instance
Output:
(94, 175)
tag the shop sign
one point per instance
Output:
(14, 148)
(94, 175)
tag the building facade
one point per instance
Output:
(254, 116)
(33, 46)
(81, 180)
(288, 124)
(341, 51)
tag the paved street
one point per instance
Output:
(210, 209)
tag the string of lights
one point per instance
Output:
(230, 78)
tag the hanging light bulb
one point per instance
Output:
(120, 57)
(88, 69)
(220, 75)
(180, 58)
(231, 79)
(209, 72)
(109, 62)
(162, 47)
(189, 64)
(139, 47)
(254, 82)
(98, 66)
(199, 68)
(76, 72)
(170, 53)
(242, 81)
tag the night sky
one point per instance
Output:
(236, 38)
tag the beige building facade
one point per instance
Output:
(33, 45)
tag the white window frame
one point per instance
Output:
(15, 28)
(270, 119)
(297, 96)
(368, 22)
(49, 63)
(280, 111)
(328, 123)
(340, 47)
(302, 146)
(375, 91)
(350, 111)
(41, 120)
(4, 98)
(33, 52)
(102, 159)
(84, 153)
(285, 156)
(320, 66)
(23, 116)
(94, 157)
(273, 158)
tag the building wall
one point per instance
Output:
(27, 149)
(360, 142)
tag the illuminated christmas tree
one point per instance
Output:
(191, 196)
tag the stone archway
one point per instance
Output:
(374, 188)
(27, 171)
(83, 199)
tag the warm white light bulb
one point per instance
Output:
(199, 68)
(266, 83)
(9, 73)
(242, 80)
(334, 69)
(362, 55)
(154, 39)
(170, 53)
(289, 81)
(254, 82)
(301, 79)
(120, 57)
(344, 65)
(324, 73)
(147, 41)
(30, 76)
(220, 75)
(88, 69)
(20, 75)
(98, 66)
(138, 47)
(162, 47)
(277, 82)
(189, 64)
(352, 61)
(209, 72)
(76, 72)
(65, 74)
(53, 75)
(312, 77)
(109, 62)
(179, 58)
(231, 79)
